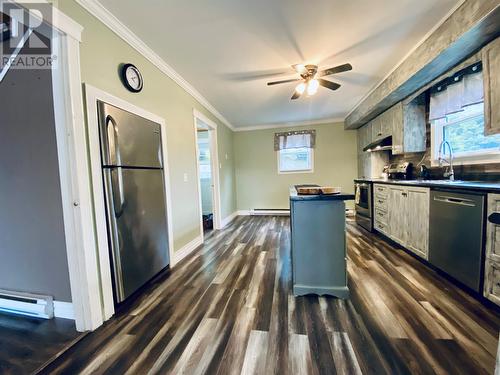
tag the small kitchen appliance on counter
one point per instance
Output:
(400, 171)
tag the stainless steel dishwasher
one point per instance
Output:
(456, 235)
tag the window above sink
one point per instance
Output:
(457, 116)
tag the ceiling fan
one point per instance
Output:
(310, 78)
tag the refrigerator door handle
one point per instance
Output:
(113, 149)
(117, 191)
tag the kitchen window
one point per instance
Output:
(295, 160)
(457, 116)
(295, 151)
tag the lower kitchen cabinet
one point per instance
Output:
(492, 264)
(403, 215)
(398, 213)
(492, 281)
(417, 206)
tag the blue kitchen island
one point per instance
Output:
(318, 244)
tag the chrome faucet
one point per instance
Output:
(442, 152)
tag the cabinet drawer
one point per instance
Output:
(380, 190)
(492, 281)
(381, 227)
(381, 216)
(492, 229)
(380, 203)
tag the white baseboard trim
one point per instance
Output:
(64, 310)
(264, 212)
(186, 250)
(228, 219)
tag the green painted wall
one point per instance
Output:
(102, 52)
(258, 183)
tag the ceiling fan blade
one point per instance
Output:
(295, 95)
(284, 81)
(328, 84)
(335, 69)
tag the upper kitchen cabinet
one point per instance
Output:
(408, 126)
(382, 125)
(364, 136)
(491, 76)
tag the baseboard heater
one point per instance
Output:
(270, 211)
(27, 304)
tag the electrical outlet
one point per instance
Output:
(185, 177)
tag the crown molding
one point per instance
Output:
(326, 121)
(114, 24)
(413, 49)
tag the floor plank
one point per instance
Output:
(228, 309)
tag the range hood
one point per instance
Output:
(381, 144)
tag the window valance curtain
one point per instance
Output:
(295, 139)
(456, 92)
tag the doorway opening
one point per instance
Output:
(206, 158)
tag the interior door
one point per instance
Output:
(137, 216)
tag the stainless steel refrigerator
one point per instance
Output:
(132, 173)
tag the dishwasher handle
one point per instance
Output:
(453, 200)
(494, 218)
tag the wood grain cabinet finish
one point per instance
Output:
(406, 216)
(493, 230)
(492, 281)
(397, 209)
(492, 264)
(382, 125)
(364, 161)
(417, 236)
(491, 76)
(408, 126)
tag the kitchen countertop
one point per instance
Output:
(321, 197)
(459, 184)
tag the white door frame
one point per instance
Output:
(214, 157)
(92, 95)
(74, 173)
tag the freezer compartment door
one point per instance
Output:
(137, 227)
(127, 139)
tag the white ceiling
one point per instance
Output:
(229, 49)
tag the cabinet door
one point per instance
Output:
(397, 128)
(376, 128)
(417, 211)
(386, 123)
(491, 76)
(492, 281)
(396, 206)
(493, 230)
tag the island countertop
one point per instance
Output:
(294, 196)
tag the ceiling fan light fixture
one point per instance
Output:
(312, 87)
(301, 87)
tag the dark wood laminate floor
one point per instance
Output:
(227, 309)
(27, 344)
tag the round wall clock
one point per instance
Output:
(132, 78)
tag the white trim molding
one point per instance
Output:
(262, 211)
(325, 121)
(64, 310)
(114, 24)
(92, 95)
(228, 219)
(187, 249)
